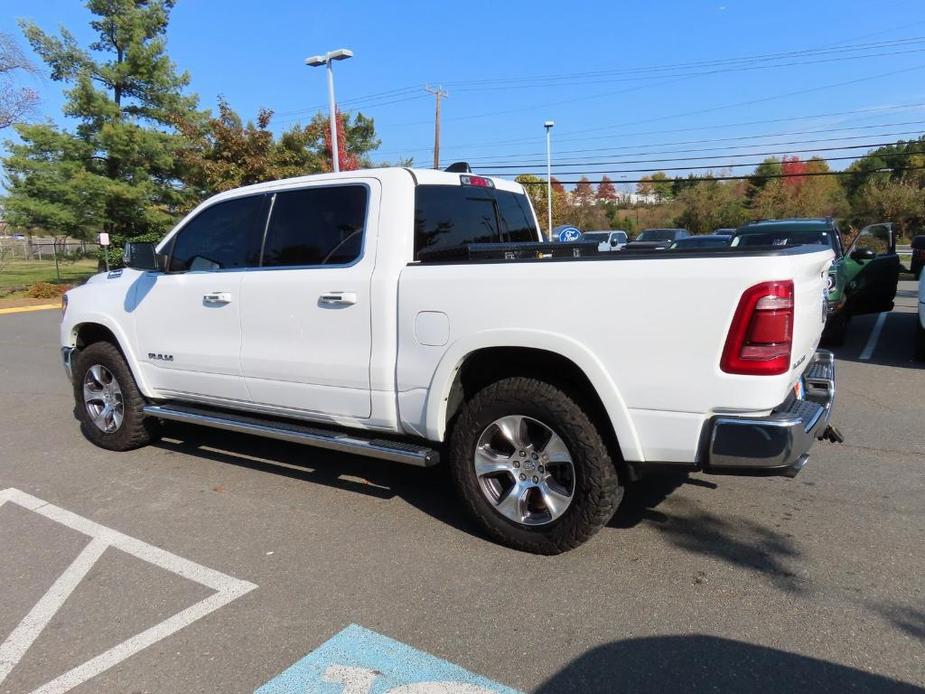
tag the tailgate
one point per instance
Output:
(809, 284)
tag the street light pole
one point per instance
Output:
(549, 125)
(332, 109)
(328, 60)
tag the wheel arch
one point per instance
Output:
(553, 358)
(98, 329)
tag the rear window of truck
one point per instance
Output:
(453, 216)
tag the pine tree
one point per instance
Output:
(116, 172)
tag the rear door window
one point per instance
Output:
(448, 216)
(316, 226)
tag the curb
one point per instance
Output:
(26, 309)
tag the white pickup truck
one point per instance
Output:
(413, 316)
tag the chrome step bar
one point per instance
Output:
(293, 432)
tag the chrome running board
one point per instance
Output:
(294, 432)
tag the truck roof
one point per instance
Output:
(420, 177)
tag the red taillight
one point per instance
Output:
(761, 333)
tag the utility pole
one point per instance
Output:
(438, 93)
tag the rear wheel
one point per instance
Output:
(531, 467)
(109, 404)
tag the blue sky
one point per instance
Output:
(626, 82)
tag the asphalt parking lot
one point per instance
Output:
(699, 584)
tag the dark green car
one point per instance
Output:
(861, 280)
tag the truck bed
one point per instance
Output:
(588, 251)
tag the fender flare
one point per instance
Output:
(93, 318)
(456, 354)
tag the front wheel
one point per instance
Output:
(531, 467)
(108, 402)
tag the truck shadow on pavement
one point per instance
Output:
(698, 663)
(736, 540)
(429, 490)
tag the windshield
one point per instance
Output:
(783, 238)
(658, 235)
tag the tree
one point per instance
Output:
(900, 202)
(804, 191)
(606, 190)
(658, 184)
(536, 190)
(15, 102)
(583, 193)
(709, 204)
(221, 152)
(767, 171)
(120, 161)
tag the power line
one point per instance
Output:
(699, 167)
(785, 152)
(696, 73)
(799, 92)
(787, 119)
(598, 150)
(744, 178)
(673, 67)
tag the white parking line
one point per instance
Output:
(874, 336)
(18, 642)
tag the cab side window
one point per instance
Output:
(223, 236)
(316, 226)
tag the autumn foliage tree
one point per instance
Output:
(606, 190)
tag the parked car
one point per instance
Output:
(861, 280)
(920, 325)
(918, 256)
(608, 240)
(656, 239)
(382, 312)
(724, 231)
(702, 241)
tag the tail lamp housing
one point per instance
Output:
(760, 338)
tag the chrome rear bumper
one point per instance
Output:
(779, 443)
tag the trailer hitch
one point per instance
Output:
(832, 434)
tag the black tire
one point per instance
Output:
(919, 340)
(135, 430)
(836, 332)
(597, 490)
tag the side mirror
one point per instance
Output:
(140, 255)
(613, 242)
(862, 254)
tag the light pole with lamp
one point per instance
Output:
(548, 125)
(328, 59)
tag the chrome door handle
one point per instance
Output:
(338, 299)
(217, 298)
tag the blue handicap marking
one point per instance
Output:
(360, 661)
